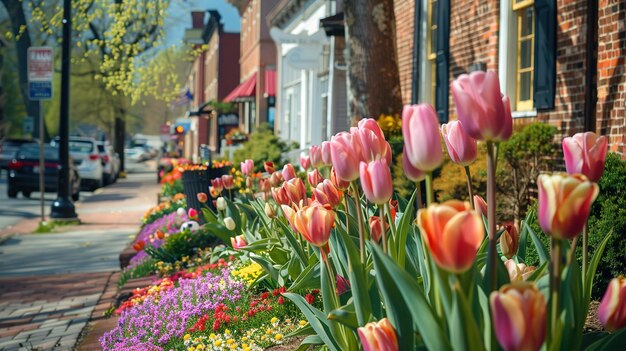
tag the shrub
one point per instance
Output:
(262, 146)
(608, 214)
(183, 244)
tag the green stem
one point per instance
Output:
(585, 248)
(470, 189)
(392, 223)
(383, 231)
(429, 189)
(491, 216)
(359, 214)
(345, 204)
(556, 280)
(418, 195)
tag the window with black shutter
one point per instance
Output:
(443, 59)
(545, 54)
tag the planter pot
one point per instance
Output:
(195, 182)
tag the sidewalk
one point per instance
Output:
(50, 284)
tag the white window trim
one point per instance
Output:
(425, 70)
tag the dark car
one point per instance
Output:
(8, 148)
(24, 171)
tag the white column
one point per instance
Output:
(304, 109)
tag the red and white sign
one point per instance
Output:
(40, 64)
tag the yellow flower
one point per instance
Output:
(227, 332)
(186, 337)
(191, 348)
(230, 341)
(278, 337)
(274, 320)
(269, 331)
(217, 343)
(303, 323)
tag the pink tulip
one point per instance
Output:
(314, 223)
(518, 271)
(345, 151)
(238, 242)
(217, 184)
(376, 181)
(612, 309)
(269, 167)
(227, 181)
(376, 230)
(564, 203)
(276, 179)
(453, 233)
(509, 241)
(519, 316)
(247, 167)
(305, 162)
(326, 157)
(411, 172)
(372, 141)
(485, 113)
(461, 147)
(422, 144)
(480, 205)
(264, 185)
(378, 336)
(296, 191)
(338, 182)
(325, 193)
(314, 177)
(280, 195)
(316, 156)
(585, 153)
(342, 284)
(192, 214)
(289, 172)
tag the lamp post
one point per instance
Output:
(62, 207)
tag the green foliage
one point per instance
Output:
(143, 269)
(169, 190)
(262, 146)
(608, 214)
(452, 182)
(185, 243)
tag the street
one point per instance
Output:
(13, 211)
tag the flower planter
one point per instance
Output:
(195, 182)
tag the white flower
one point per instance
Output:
(229, 223)
(221, 203)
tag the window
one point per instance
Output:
(525, 66)
(432, 48)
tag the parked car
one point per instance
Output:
(110, 161)
(24, 172)
(8, 148)
(87, 159)
(135, 154)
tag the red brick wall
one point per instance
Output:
(228, 64)
(404, 12)
(611, 108)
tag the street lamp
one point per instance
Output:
(62, 207)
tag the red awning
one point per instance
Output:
(270, 83)
(244, 90)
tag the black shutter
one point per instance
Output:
(545, 54)
(443, 57)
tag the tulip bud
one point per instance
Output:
(372, 141)
(518, 272)
(264, 185)
(181, 212)
(230, 223)
(269, 210)
(585, 153)
(217, 184)
(422, 144)
(280, 196)
(214, 193)
(296, 191)
(481, 107)
(564, 203)
(612, 309)
(289, 172)
(249, 182)
(326, 157)
(221, 203)
(247, 167)
(338, 182)
(238, 242)
(227, 180)
(315, 153)
(414, 174)
(376, 230)
(376, 181)
(159, 234)
(139, 245)
(269, 167)
(461, 147)
(509, 241)
(192, 213)
(519, 316)
(345, 150)
(453, 233)
(314, 177)
(480, 205)
(276, 178)
(314, 223)
(378, 336)
(327, 194)
(342, 284)
(305, 161)
(202, 197)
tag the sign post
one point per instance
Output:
(40, 71)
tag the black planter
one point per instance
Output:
(195, 182)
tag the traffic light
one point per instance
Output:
(180, 130)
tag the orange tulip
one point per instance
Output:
(519, 316)
(453, 233)
(564, 203)
(338, 182)
(518, 271)
(139, 245)
(202, 198)
(314, 223)
(276, 178)
(280, 195)
(378, 336)
(376, 231)
(289, 172)
(227, 180)
(314, 177)
(238, 242)
(269, 167)
(327, 194)
(480, 205)
(296, 191)
(612, 309)
(159, 234)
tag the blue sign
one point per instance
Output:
(40, 90)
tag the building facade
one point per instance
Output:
(255, 95)
(560, 61)
(311, 86)
(214, 74)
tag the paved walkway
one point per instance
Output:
(51, 284)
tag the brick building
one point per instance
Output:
(214, 74)
(560, 61)
(256, 92)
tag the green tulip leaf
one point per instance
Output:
(220, 231)
(209, 215)
(402, 232)
(309, 278)
(614, 341)
(308, 341)
(345, 315)
(541, 250)
(293, 242)
(316, 319)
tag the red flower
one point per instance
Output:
(281, 300)
(309, 298)
(265, 295)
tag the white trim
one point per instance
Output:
(506, 51)
(425, 71)
(523, 114)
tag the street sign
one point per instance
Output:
(165, 132)
(40, 71)
(28, 125)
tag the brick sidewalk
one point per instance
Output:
(49, 312)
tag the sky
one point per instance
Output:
(179, 17)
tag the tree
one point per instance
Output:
(372, 61)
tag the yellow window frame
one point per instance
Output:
(431, 56)
(524, 105)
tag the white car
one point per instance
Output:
(87, 160)
(135, 154)
(110, 162)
